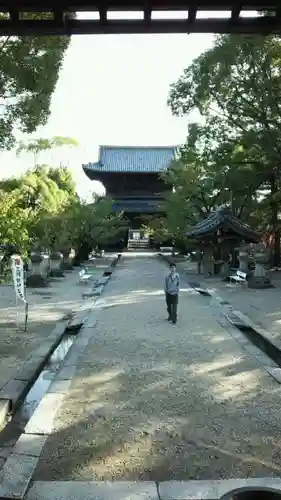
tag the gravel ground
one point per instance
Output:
(155, 401)
(46, 307)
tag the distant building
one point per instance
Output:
(131, 177)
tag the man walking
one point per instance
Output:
(171, 289)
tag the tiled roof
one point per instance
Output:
(223, 217)
(133, 159)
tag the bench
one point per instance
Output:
(100, 253)
(96, 253)
(166, 249)
(83, 276)
(239, 277)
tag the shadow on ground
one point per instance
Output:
(46, 307)
(262, 306)
(171, 404)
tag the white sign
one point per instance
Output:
(18, 276)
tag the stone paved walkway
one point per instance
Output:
(154, 401)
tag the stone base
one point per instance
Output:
(260, 283)
(36, 281)
(56, 273)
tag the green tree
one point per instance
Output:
(209, 172)
(43, 189)
(29, 71)
(236, 86)
(41, 195)
(14, 222)
(94, 224)
(157, 228)
(41, 145)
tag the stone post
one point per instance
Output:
(45, 265)
(259, 278)
(199, 260)
(208, 263)
(68, 258)
(243, 257)
(224, 271)
(56, 263)
(37, 276)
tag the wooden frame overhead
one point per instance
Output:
(64, 17)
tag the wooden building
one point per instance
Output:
(218, 235)
(132, 178)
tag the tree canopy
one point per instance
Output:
(42, 209)
(29, 71)
(233, 155)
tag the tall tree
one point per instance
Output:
(41, 209)
(29, 71)
(41, 145)
(237, 83)
(43, 189)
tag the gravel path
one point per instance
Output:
(155, 401)
(46, 307)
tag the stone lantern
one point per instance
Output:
(38, 270)
(56, 261)
(259, 278)
(68, 258)
(243, 257)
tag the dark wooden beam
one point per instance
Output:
(103, 14)
(88, 5)
(235, 13)
(192, 11)
(65, 23)
(75, 26)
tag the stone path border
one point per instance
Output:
(122, 490)
(15, 390)
(19, 467)
(228, 318)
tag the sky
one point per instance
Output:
(112, 90)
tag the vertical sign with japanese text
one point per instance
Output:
(18, 276)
